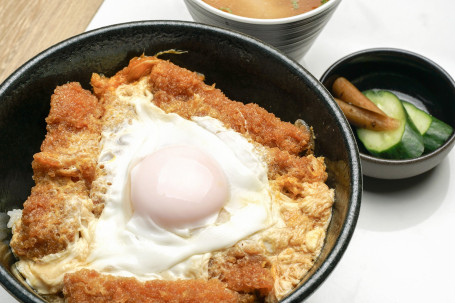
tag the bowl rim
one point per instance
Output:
(423, 60)
(19, 291)
(257, 21)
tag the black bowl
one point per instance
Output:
(413, 78)
(244, 68)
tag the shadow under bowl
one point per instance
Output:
(413, 78)
(231, 60)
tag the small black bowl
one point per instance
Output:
(412, 78)
(243, 67)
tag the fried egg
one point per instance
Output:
(176, 190)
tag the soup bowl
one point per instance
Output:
(292, 35)
(281, 86)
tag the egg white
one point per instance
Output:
(128, 243)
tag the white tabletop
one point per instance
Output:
(403, 249)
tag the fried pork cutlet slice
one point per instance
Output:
(90, 286)
(63, 172)
(242, 272)
(184, 92)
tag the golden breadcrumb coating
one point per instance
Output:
(261, 268)
(243, 272)
(90, 286)
(184, 92)
(63, 172)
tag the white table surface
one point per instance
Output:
(403, 249)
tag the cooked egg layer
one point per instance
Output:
(177, 190)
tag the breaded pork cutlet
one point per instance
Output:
(263, 267)
(184, 92)
(90, 286)
(63, 173)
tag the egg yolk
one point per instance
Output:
(178, 187)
